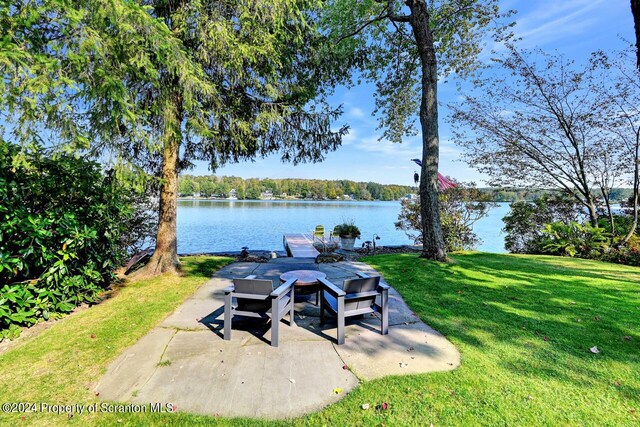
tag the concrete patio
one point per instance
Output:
(185, 361)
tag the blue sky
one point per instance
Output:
(574, 28)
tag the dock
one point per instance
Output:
(299, 245)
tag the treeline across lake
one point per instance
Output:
(224, 187)
(529, 194)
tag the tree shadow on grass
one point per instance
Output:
(536, 317)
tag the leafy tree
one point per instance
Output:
(207, 188)
(65, 68)
(547, 125)
(188, 187)
(619, 85)
(460, 208)
(255, 58)
(404, 47)
(170, 82)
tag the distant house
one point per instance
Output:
(233, 195)
(266, 195)
(410, 197)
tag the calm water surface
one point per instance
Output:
(227, 225)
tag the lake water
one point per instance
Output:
(228, 225)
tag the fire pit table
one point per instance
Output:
(307, 283)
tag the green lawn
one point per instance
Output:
(524, 326)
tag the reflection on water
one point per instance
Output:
(227, 225)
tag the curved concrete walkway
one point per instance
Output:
(185, 361)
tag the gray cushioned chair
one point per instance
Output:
(257, 298)
(357, 297)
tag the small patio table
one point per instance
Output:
(307, 283)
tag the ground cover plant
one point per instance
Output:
(524, 326)
(65, 226)
(555, 224)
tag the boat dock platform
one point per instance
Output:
(299, 245)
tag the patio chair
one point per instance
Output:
(318, 233)
(334, 235)
(257, 298)
(357, 297)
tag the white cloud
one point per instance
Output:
(408, 148)
(551, 21)
(356, 112)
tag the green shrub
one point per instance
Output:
(526, 220)
(628, 254)
(62, 228)
(574, 239)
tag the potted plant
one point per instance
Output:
(348, 233)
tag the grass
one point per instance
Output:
(523, 324)
(62, 364)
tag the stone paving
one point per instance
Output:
(185, 361)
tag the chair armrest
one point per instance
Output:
(229, 289)
(363, 275)
(331, 288)
(251, 276)
(258, 297)
(282, 289)
(361, 295)
(382, 287)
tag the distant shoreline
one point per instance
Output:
(222, 199)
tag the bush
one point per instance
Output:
(628, 254)
(460, 208)
(574, 239)
(526, 220)
(62, 225)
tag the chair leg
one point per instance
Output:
(384, 300)
(275, 321)
(340, 320)
(292, 320)
(228, 316)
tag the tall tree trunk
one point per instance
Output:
(607, 201)
(165, 258)
(593, 212)
(636, 190)
(635, 11)
(432, 236)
